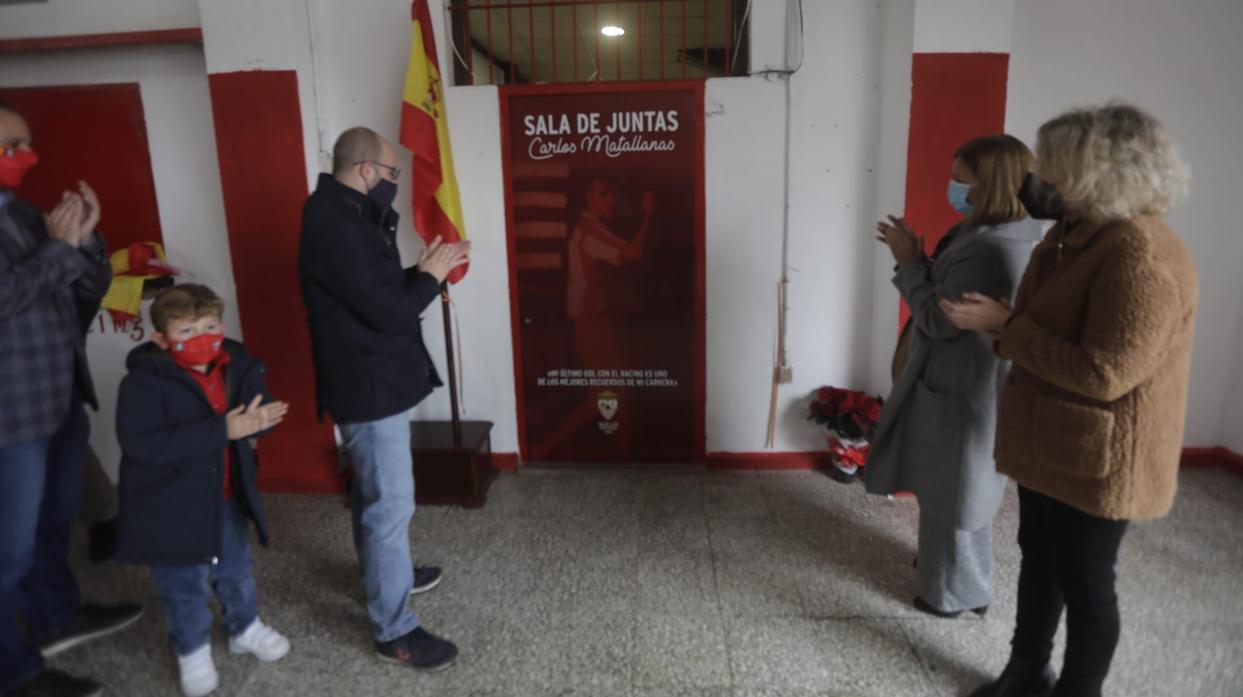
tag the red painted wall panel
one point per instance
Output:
(97, 133)
(258, 123)
(954, 97)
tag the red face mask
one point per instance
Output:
(201, 350)
(13, 167)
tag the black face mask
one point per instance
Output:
(383, 193)
(1040, 199)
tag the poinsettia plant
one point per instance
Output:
(849, 418)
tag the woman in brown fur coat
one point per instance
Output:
(1091, 417)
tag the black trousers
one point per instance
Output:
(1068, 562)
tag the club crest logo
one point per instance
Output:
(608, 405)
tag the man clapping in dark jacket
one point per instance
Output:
(371, 368)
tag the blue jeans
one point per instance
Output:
(186, 591)
(383, 505)
(40, 491)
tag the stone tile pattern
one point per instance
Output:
(688, 584)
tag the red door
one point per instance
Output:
(604, 195)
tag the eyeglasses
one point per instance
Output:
(394, 172)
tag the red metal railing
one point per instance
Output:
(562, 44)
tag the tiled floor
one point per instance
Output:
(691, 584)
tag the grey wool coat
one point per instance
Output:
(937, 429)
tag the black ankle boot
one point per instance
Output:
(1020, 679)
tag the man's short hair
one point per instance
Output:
(189, 302)
(355, 145)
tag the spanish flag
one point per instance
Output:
(425, 132)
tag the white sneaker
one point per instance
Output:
(198, 673)
(261, 641)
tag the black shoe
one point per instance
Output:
(425, 579)
(928, 609)
(1020, 679)
(925, 607)
(418, 650)
(53, 683)
(92, 622)
(103, 540)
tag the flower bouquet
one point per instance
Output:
(849, 418)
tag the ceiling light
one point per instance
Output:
(612, 31)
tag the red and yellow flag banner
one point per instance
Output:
(425, 132)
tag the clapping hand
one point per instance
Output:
(246, 420)
(65, 221)
(975, 312)
(905, 245)
(90, 213)
(439, 259)
(73, 220)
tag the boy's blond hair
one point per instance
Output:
(189, 301)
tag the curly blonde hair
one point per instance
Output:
(1114, 162)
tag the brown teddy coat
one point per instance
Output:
(1092, 412)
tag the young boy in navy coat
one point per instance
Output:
(186, 414)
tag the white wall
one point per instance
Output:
(850, 122)
(899, 36)
(742, 257)
(241, 35)
(71, 17)
(836, 131)
(839, 130)
(182, 142)
(963, 26)
(1182, 64)
(837, 135)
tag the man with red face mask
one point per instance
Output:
(53, 272)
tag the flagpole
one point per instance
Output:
(453, 402)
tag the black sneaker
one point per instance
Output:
(418, 650)
(92, 622)
(425, 579)
(53, 683)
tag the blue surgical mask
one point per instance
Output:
(957, 194)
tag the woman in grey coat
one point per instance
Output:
(935, 436)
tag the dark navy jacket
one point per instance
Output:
(172, 452)
(363, 308)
